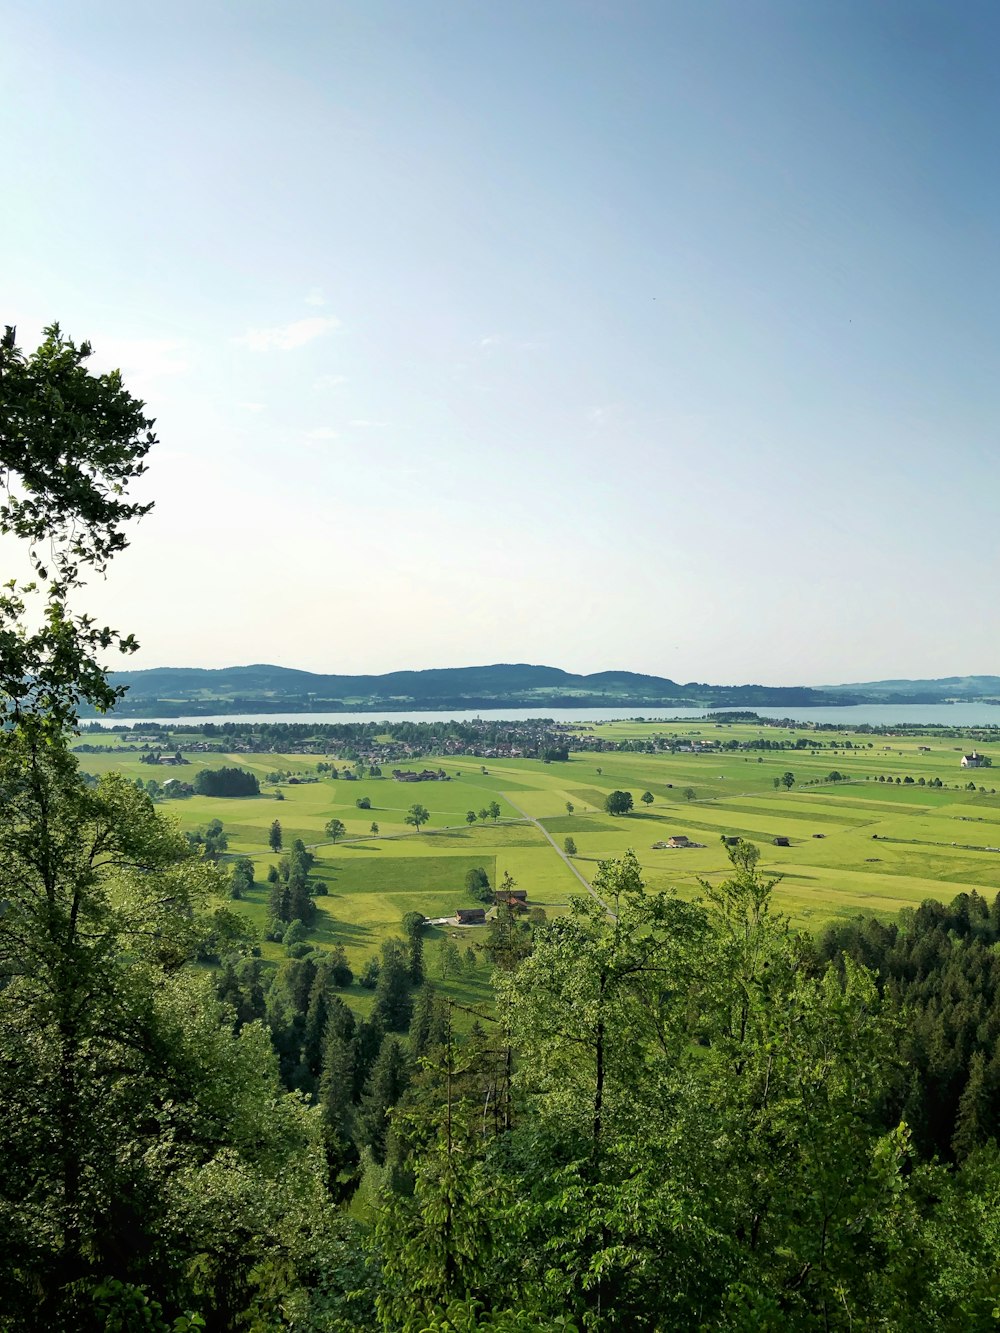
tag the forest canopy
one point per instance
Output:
(226, 782)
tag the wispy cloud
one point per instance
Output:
(252, 407)
(322, 433)
(286, 337)
(315, 297)
(330, 381)
(364, 424)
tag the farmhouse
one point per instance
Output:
(682, 840)
(471, 916)
(509, 900)
(974, 760)
(519, 894)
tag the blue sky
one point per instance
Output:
(649, 335)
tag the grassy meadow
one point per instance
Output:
(883, 845)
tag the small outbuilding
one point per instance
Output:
(781, 842)
(471, 916)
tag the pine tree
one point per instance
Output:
(973, 1122)
(389, 1079)
(392, 993)
(416, 959)
(367, 1043)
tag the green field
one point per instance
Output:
(883, 846)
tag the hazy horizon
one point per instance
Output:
(660, 335)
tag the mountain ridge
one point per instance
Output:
(264, 687)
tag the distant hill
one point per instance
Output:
(177, 691)
(944, 689)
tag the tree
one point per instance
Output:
(788, 780)
(449, 959)
(470, 816)
(374, 829)
(569, 846)
(416, 816)
(334, 829)
(392, 989)
(363, 803)
(618, 802)
(477, 883)
(570, 807)
(494, 810)
(369, 974)
(647, 798)
(70, 444)
(241, 877)
(388, 1082)
(484, 814)
(125, 1092)
(274, 836)
(215, 840)
(508, 940)
(676, 1057)
(689, 793)
(413, 929)
(226, 782)
(125, 1100)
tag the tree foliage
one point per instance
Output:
(618, 802)
(71, 442)
(226, 782)
(416, 816)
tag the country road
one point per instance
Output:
(528, 819)
(548, 836)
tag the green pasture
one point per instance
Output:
(855, 845)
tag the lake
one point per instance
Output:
(951, 715)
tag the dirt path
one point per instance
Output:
(549, 838)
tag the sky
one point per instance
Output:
(657, 335)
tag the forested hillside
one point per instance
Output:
(174, 691)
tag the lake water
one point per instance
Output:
(951, 715)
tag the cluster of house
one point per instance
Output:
(516, 900)
(426, 775)
(682, 840)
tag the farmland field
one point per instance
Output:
(857, 844)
